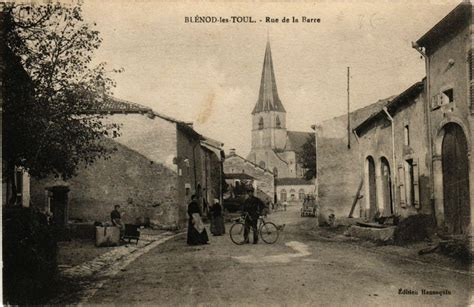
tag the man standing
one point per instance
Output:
(253, 206)
(116, 218)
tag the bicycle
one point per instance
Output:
(268, 231)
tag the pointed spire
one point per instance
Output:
(268, 99)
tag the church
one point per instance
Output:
(274, 147)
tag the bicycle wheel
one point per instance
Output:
(236, 232)
(269, 232)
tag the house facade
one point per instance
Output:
(235, 167)
(294, 190)
(413, 150)
(393, 149)
(447, 49)
(339, 177)
(156, 164)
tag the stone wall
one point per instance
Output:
(338, 170)
(376, 142)
(449, 68)
(144, 189)
(141, 175)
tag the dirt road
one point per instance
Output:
(297, 270)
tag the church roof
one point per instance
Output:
(268, 99)
(293, 181)
(296, 140)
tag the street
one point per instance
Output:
(297, 270)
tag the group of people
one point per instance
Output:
(252, 208)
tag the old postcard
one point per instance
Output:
(215, 153)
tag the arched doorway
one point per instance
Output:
(372, 197)
(455, 165)
(386, 187)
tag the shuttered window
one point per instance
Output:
(416, 185)
(401, 186)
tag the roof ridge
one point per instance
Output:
(255, 164)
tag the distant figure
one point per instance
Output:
(197, 233)
(116, 218)
(217, 219)
(285, 204)
(254, 207)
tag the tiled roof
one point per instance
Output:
(293, 181)
(268, 99)
(392, 104)
(457, 17)
(115, 105)
(230, 155)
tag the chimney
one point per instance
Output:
(232, 152)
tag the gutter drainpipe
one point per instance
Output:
(428, 124)
(394, 172)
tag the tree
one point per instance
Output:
(50, 123)
(308, 158)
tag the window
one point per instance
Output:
(260, 123)
(301, 194)
(283, 195)
(275, 172)
(278, 122)
(292, 194)
(410, 182)
(447, 96)
(407, 135)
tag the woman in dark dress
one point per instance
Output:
(197, 233)
(217, 219)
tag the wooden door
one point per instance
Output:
(59, 201)
(372, 187)
(386, 187)
(456, 180)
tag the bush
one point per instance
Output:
(414, 228)
(29, 256)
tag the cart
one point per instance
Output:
(309, 207)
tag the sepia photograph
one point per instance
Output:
(237, 153)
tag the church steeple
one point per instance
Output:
(268, 99)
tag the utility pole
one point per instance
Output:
(348, 110)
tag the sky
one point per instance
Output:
(209, 73)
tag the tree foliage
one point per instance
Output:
(308, 158)
(52, 90)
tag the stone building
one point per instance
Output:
(294, 190)
(157, 164)
(274, 147)
(339, 176)
(447, 49)
(393, 146)
(414, 150)
(236, 166)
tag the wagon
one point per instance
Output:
(309, 207)
(132, 232)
